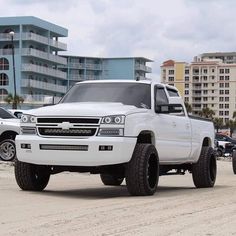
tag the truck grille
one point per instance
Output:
(67, 126)
(67, 132)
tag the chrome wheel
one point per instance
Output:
(7, 150)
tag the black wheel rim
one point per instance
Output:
(152, 171)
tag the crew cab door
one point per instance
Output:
(173, 131)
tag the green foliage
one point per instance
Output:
(188, 107)
(219, 123)
(17, 100)
(207, 113)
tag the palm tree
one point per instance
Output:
(207, 113)
(231, 124)
(17, 100)
(218, 122)
(234, 114)
(188, 107)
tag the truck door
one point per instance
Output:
(173, 131)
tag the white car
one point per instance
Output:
(137, 130)
(9, 128)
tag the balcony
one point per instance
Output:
(8, 51)
(143, 68)
(43, 55)
(43, 70)
(7, 37)
(75, 65)
(76, 77)
(93, 66)
(41, 39)
(29, 83)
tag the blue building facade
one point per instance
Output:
(36, 48)
(95, 68)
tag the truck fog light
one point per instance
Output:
(25, 146)
(105, 147)
(111, 132)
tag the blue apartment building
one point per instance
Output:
(41, 71)
(95, 68)
(36, 46)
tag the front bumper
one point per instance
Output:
(122, 150)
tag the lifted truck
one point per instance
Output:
(137, 130)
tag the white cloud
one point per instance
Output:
(160, 30)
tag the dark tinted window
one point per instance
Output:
(160, 96)
(5, 114)
(135, 94)
(172, 93)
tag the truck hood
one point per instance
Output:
(87, 109)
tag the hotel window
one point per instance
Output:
(221, 113)
(212, 99)
(186, 99)
(205, 78)
(221, 106)
(221, 91)
(227, 106)
(4, 79)
(204, 91)
(205, 71)
(205, 85)
(212, 91)
(186, 92)
(212, 105)
(212, 70)
(186, 72)
(212, 84)
(221, 71)
(226, 91)
(171, 78)
(204, 105)
(4, 64)
(205, 99)
(221, 99)
(221, 85)
(171, 72)
(226, 113)
(221, 77)
(226, 77)
(227, 85)
(186, 78)
(227, 71)
(226, 99)
(186, 85)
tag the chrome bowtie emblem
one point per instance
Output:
(65, 125)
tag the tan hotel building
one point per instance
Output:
(206, 82)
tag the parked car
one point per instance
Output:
(9, 128)
(226, 143)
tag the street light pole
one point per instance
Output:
(14, 104)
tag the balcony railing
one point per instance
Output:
(76, 65)
(43, 55)
(44, 40)
(8, 51)
(93, 66)
(43, 70)
(39, 99)
(43, 85)
(143, 68)
(76, 77)
(7, 36)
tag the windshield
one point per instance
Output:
(5, 114)
(135, 94)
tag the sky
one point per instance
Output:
(155, 29)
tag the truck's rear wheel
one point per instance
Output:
(204, 171)
(142, 172)
(234, 161)
(111, 180)
(31, 177)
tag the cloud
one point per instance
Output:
(156, 29)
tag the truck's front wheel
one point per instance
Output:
(142, 172)
(111, 180)
(204, 171)
(234, 161)
(31, 177)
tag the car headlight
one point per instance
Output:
(113, 120)
(28, 119)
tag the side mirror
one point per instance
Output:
(169, 108)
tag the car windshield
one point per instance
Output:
(5, 114)
(136, 94)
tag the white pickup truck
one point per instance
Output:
(137, 130)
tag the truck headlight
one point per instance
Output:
(28, 119)
(113, 120)
(111, 132)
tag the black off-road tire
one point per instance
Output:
(205, 170)
(142, 172)
(111, 180)
(31, 177)
(234, 162)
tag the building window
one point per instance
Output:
(221, 99)
(221, 77)
(227, 99)
(171, 78)
(171, 84)
(205, 85)
(221, 113)
(221, 106)
(212, 91)
(171, 72)
(204, 91)
(186, 92)
(212, 99)
(227, 85)
(205, 99)
(204, 105)
(227, 106)
(212, 84)
(186, 99)
(3, 94)
(205, 78)
(221, 91)
(205, 71)
(212, 70)
(4, 81)
(226, 77)
(226, 71)
(186, 78)
(221, 71)
(226, 113)
(187, 72)
(221, 85)
(4, 64)
(212, 105)
(226, 91)
(186, 85)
